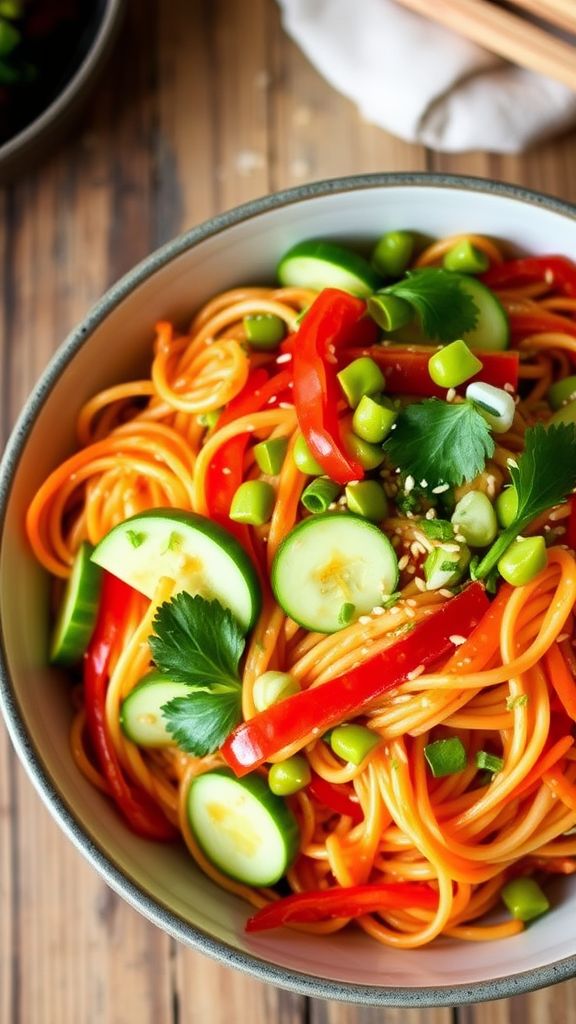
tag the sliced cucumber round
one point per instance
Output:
(199, 555)
(141, 715)
(492, 332)
(245, 830)
(329, 561)
(316, 264)
(78, 611)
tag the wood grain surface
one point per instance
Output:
(205, 104)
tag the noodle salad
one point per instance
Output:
(314, 581)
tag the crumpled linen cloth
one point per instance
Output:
(423, 83)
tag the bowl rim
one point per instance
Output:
(84, 838)
(28, 136)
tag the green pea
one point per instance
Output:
(474, 517)
(524, 899)
(361, 377)
(523, 560)
(465, 258)
(567, 414)
(270, 455)
(289, 776)
(353, 742)
(304, 459)
(367, 498)
(389, 311)
(319, 495)
(453, 364)
(272, 687)
(9, 38)
(562, 392)
(507, 506)
(445, 568)
(392, 253)
(253, 503)
(370, 456)
(374, 418)
(264, 330)
(345, 616)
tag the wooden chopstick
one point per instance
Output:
(558, 12)
(504, 33)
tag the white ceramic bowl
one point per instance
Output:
(163, 882)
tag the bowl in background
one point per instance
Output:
(65, 94)
(162, 882)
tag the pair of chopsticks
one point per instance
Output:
(509, 34)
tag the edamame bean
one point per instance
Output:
(374, 418)
(361, 377)
(453, 364)
(465, 258)
(474, 517)
(304, 459)
(352, 742)
(367, 498)
(392, 253)
(523, 560)
(289, 776)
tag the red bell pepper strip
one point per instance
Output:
(556, 270)
(329, 324)
(335, 798)
(571, 531)
(141, 813)
(294, 721)
(406, 369)
(353, 901)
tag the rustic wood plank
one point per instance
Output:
(339, 1013)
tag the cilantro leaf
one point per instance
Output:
(437, 529)
(197, 641)
(544, 476)
(446, 310)
(200, 722)
(440, 442)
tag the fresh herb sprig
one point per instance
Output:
(445, 309)
(200, 643)
(543, 476)
(441, 442)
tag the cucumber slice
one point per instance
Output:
(492, 332)
(78, 611)
(200, 556)
(316, 264)
(141, 713)
(246, 831)
(329, 561)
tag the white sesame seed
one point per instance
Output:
(451, 394)
(395, 610)
(423, 483)
(559, 513)
(431, 513)
(450, 548)
(420, 583)
(549, 276)
(226, 471)
(445, 593)
(285, 405)
(460, 538)
(509, 388)
(403, 562)
(409, 484)
(364, 620)
(410, 613)
(286, 357)
(415, 673)
(457, 640)
(411, 569)
(512, 463)
(562, 637)
(440, 488)
(378, 610)
(411, 602)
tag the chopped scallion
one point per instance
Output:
(446, 757)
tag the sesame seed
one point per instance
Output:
(285, 405)
(377, 610)
(512, 463)
(431, 513)
(420, 583)
(403, 562)
(409, 484)
(440, 488)
(286, 357)
(415, 672)
(451, 548)
(460, 538)
(226, 471)
(411, 602)
(562, 637)
(509, 388)
(549, 276)
(559, 513)
(395, 610)
(423, 483)
(445, 593)
(451, 394)
(364, 620)
(410, 613)
(411, 569)
(457, 640)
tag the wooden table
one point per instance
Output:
(205, 104)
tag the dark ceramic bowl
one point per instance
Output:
(162, 881)
(85, 62)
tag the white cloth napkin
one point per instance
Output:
(424, 83)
